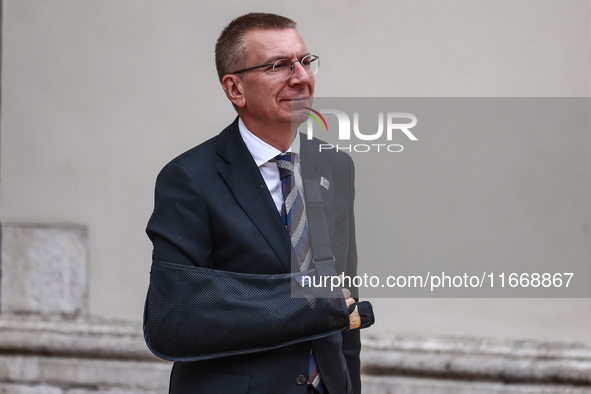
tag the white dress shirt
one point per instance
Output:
(261, 153)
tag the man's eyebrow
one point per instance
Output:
(273, 59)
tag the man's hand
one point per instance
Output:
(357, 319)
(354, 318)
(348, 299)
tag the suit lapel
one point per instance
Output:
(248, 187)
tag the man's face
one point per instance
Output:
(268, 97)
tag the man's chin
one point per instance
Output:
(297, 118)
(299, 109)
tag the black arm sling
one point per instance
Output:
(193, 313)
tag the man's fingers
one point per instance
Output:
(361, 315)
(350, 301)
(354, 319)
(346, 293)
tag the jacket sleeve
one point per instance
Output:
(194, 312)
(180, 226)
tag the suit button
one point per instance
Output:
(301, 379)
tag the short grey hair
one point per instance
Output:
(230, 49)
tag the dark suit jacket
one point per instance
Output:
(213, 209)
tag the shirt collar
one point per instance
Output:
(261, 151)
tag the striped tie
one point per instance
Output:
(293, 211)
(293, 214)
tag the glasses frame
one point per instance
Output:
(315, 58)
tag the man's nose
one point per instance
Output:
(299, 75)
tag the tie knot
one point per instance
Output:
(285, 164)
(289, 157)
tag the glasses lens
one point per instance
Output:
(311, 64)
(282, 68)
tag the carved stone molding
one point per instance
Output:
(511, 365)
(77, 356)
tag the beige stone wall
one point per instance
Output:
(77, 356)
(48, 342)
(98, 95)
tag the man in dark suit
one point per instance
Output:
(221, 206)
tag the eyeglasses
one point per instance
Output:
(284, 67)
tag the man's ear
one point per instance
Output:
(234, 88)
